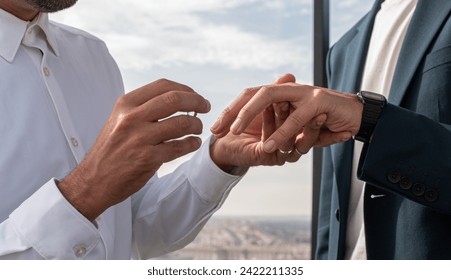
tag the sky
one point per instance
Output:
(219, 48)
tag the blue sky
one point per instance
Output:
(219, 48)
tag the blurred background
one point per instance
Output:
(219, 48)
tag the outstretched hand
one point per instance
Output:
(246, 148)
(318, 117)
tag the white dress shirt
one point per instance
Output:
(58, 85)
(389, 31)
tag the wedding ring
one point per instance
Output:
(195, 114)
(299, 152)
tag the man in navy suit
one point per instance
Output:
(387, 193)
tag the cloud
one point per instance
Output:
(146, 34)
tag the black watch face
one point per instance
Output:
(373, 96)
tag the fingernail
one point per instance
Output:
(215, 126)
(208, 104)
(269, 146)
(236, 126)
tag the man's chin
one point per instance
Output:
(51, 6)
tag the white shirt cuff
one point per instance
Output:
(53, 227)
(205, 170)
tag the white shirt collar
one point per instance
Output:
(13, 31)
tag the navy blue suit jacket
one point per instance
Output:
(409, 157)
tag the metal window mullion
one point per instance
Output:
(320, 48)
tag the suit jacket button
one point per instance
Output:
(394, 176)
(405, 183)
(418, 189)
(337, 214)
(431, 195)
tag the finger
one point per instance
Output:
(145, 93)
(294, 156)
(229, 114)
(306, 140)
(174, 149)
(274, 94)
(282, 111)
(263, 98)
(269, 124)
(310, 135)
(288, 156)
(318, 121)
(171, 102)
(287, 78)
(173, 128)
(226, 118)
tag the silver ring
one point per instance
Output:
(299, 152)
(195, 114)
(285, 152)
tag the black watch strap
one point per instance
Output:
(373, 104)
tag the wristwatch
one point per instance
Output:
(373, 104)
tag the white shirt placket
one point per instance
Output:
(42, 57)
(32, 39)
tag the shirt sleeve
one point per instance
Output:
(171, 210)
(168, 213)
(50, 230)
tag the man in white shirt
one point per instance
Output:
(391, 200)
(77, 180)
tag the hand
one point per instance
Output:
(343, 114)
(244, 150)
(140, 135)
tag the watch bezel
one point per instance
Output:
(365, 95)
(373, 103)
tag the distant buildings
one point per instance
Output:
(249, 238)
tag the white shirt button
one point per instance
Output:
(74, 141)
(80, 251)
(46, 71)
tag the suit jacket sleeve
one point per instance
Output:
(410, 154)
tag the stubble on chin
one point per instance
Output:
(50, 6)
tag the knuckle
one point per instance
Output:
(319, 92)
(172, 98)
(267, 90)
(123, 101)
(296, 120)
(283, 133)
(226, 111)
(125, 120)
(248, 92)
(246, 111)
(183, 122)
(178, 148)
(162, 81)
(182, 147)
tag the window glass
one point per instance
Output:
(219, 48)
(344, 14)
